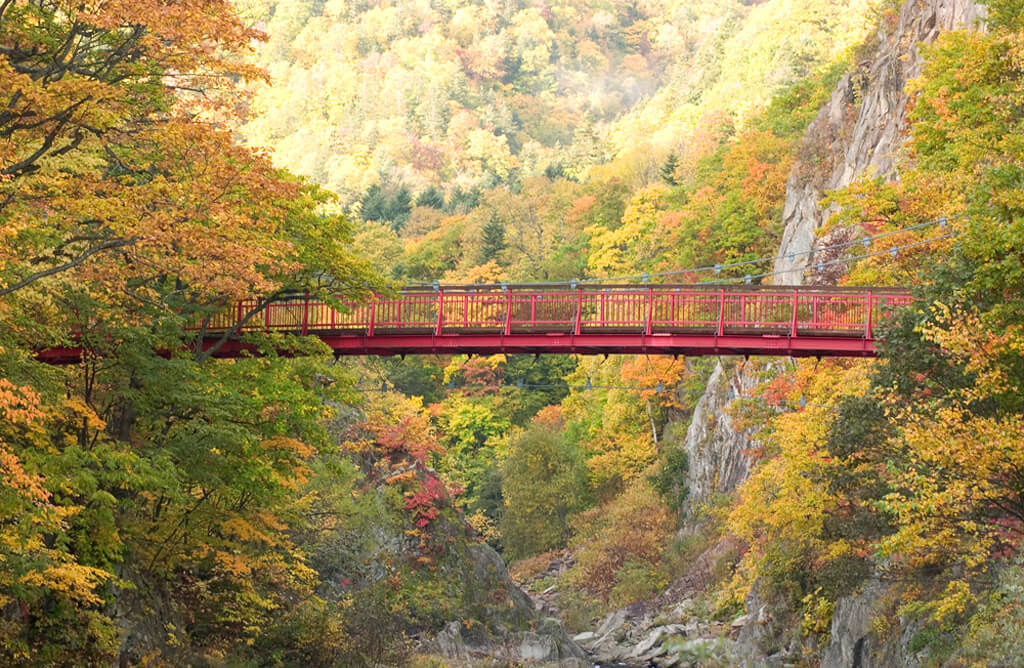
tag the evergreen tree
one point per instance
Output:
(374, 204)
(668, 170)
(554, 171)
(400, 208)
(462, 201)
(493, 239)
(431, 197)
(394, 209)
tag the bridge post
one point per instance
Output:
(868, 334)
(796, 303)
(373, 315)
(650, 311)
(440, 312)
(579, 311)
(305, 314)
(508, 313)
(721, 312)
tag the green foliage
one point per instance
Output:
(668, 170)
(544, 482)
(994, 633)
(415, 377)
(1005, 14)
(543, 381)
(492, 240)
(469, 429)
(792, 110)
(393, 208)
(670, 477)
(431, 197)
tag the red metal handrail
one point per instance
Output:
(658, 309)
(659, 319)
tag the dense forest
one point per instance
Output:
(161, 162)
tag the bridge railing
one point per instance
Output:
(787, 311)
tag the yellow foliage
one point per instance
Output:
(73, 581)
(608, 247)
(287, 444)
(783, 501)
(630, 531)
(234, 564)
(958, 466)
(955, 600)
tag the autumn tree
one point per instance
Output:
(544, 482)
(128, 212)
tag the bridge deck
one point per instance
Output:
(656, 319)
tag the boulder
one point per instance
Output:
(613, 622)
(450, 643)
(647, 644)
(585, 638)
(537, 647)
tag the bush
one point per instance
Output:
(544, 483)
(622, 543)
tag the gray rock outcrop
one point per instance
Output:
(854, 642)
(715, 447)
(861, 130)
(547, 645)
(858, 133)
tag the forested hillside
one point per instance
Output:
(161, 162)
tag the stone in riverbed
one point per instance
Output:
(649, 643)
(536, 647)
(585, 638)
(450, 644)
(613, 622)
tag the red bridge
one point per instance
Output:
(654, 319)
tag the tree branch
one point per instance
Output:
(32, 278)
(262, 303)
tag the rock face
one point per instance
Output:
(852, 641)
(510, 630)
(859, 132)
(851, 625)
(714, 447)
(861, 129)
(769, 635)
(548, 645)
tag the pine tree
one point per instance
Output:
(493, 239)
(400, 208)
(668, 170)
(431, 197)
(374, 204)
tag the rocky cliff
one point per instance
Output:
(715, 446)
(858, 133)
(861, 129)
